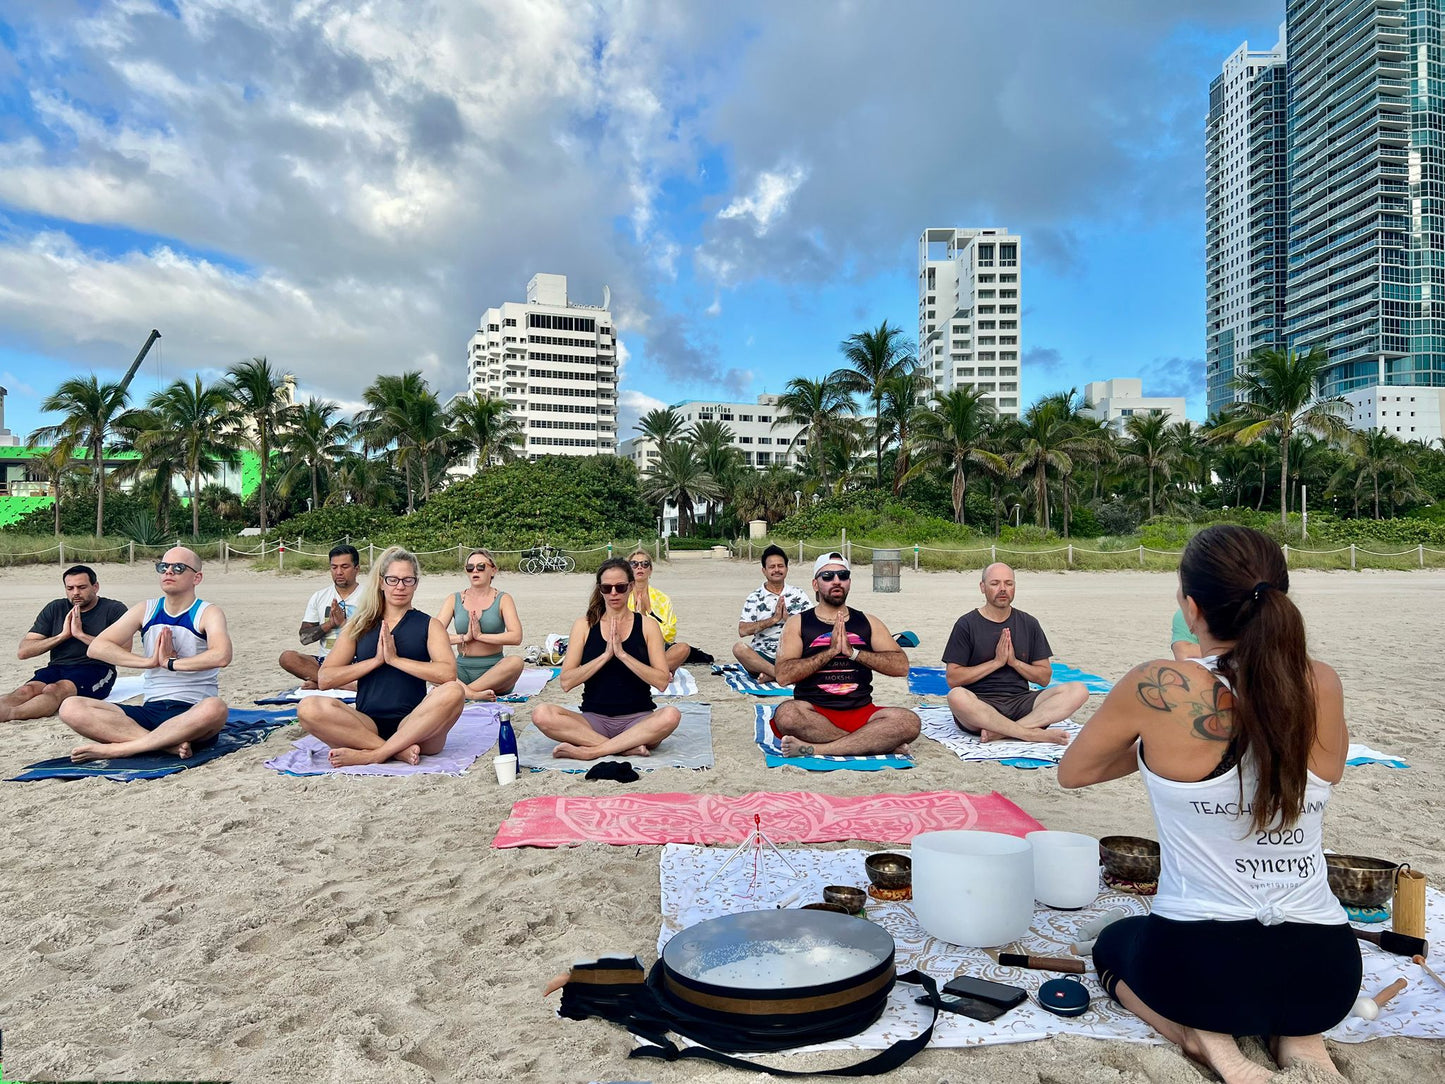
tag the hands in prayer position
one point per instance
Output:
(165, 650)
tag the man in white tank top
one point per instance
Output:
(186, 644)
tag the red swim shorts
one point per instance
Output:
(849, 719)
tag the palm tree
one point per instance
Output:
(678, 476)
(873, 357)
(819, 408)
(1194, 453)
(263, 397)
(313, 443)
(388, 418)
(662, 426)
(1279, 395)
(713, 443)
(363, 481)
(952, 435)
(91, 410)
(1382, 460)
(1047, 436)
(487, 427)
(899, 417)
(197, 429)
(429, 439)
(1149, 443)
(54, 462)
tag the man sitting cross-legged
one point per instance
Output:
(329, 609)
(992, 655)
(764, 613)
(828, 654)
(186, 644)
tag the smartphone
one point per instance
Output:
(991, 993)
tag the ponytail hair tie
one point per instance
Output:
(1259, 589)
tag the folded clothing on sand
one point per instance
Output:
(772, 748)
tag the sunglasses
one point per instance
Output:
(399, 581)
(479, 568)
(614, 588)
(641, 564)
(838, 574)
(175, 568)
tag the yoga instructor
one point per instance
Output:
(1239, 750)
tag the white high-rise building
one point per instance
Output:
(555, 363)
(1115, 401)
(757, 441)
(1409, 411)
(968, 312)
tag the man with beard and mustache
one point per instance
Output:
(828, 654)
(993, 653)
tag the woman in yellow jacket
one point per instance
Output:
(646, 599)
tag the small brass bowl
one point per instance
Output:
(886, 870)
(1130, 858)
(827, 907)
(1360, 882)
(845, 896)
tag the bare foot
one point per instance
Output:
(637, 751)
(410, 755)
(1292, 1050)
(1222, 1054)
(903, 751)
(1041, 734)
(567, 751)
(183, 750)
(96, 751)
(310, 685)
(485, 694)
(794, 747)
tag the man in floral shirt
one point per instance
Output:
(764, 613)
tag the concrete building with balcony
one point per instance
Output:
(757, 441)
(1116, 401)
(554, 361)
(1246, 213)
(1408, 411)
(969, 309)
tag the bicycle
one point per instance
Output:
(546, 559)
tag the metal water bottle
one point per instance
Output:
(506, 737)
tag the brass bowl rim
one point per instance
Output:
(1112, 844)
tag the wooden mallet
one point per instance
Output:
(1428, 969)
(1368, 1008)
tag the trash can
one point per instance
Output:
(887, 569)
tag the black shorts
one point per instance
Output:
(1238, 978)
(153, 713)
(1013, 707)
(91, 679)
(386, 725)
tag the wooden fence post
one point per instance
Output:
(915, 557)
(225, 555)
(1286, 554)
(1352, 557)
(132, 551)
(370, 555)
(1071, 555)
(993, 554)
(1141, 556)
(1422, 555)
(281, 555)
(461, 557)
(800, 551)
(61, 545)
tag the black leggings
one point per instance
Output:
(1239, 978)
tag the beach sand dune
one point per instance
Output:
(232, 923)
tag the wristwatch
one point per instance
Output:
(853, 655)
(171, 665)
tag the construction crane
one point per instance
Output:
(135, 365)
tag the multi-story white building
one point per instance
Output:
(760, 444)
(1116, 401)
(1408, 411)
(1245, 215)
(968, 312)
(555, 363)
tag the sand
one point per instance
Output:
(232, 923)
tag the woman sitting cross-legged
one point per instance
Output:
(482, 621)
(618, 657)
(391, 651)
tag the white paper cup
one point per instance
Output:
(506, 767)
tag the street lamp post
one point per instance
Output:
(798, 499)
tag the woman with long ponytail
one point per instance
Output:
(1239, 750)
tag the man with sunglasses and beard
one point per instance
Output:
(186, 644)
(829, 655)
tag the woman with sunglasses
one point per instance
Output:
(482, 620)
(391, 651)
(646, 599)
(618, 657)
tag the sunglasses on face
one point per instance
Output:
(641, 564)
(175, 568)
(399, 581)
(614, 588)
(478, 568)
(831, 575)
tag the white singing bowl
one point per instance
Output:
(1066, 869)
(973, 888)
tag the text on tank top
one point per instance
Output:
(187, 640)
(841, 684)
(386, 692)
(614, 689)
(1213, 865)
(490, 621)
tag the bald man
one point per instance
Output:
(993, 653)
(186, 644)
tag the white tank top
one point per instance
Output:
(190, 686)
(1214, 866)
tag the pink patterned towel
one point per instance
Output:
(793, 817)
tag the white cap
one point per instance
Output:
(834, 558)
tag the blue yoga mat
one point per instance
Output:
(243, 728)
(930, 680)
(773, 754)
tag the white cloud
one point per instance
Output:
(768, 201)
(715, 309)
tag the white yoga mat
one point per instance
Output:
(126, 687)
(938, 724)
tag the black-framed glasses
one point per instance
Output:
(175, 568)
(614, 588)
(478, 568)
(399, 581)
(640, 564)
(835, 574)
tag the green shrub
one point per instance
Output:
(1167, 532)
(1026, 534)
(1083, 523)
(330, 525)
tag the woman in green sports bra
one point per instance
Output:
(480, 621)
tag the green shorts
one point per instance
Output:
(471, 667)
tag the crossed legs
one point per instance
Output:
(497, 681)
(354, 739)
(752, 662)
(113, 733)
(1054, 704)
(677, 655)
(302, 666)
(806, 731)
(35, 700)
(576, 740)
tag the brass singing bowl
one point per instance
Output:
(886, 870)
(1357, 881)
(1130, 858)
(845, 896)
(836, 908)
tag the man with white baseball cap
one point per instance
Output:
(829, 655)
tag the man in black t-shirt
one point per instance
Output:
(993, 653)
(65, 628)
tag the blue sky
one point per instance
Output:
(346, 190)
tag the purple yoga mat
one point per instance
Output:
(474, 734)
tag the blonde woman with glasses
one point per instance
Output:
(481, 621)
(646, 599)
(392, 652)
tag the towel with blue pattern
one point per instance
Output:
(744, 682)
(931, 680)
(769, 743)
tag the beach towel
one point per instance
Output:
(244, 727)
(125, 688)
(687, 898)
(772, 749)
(474, 734)
(296, 695)
(930, 680)
(938, 724)
(682, 684)
(532, 681)
(1363, 754)
(689, 746)
(744, 682)
(788, 817)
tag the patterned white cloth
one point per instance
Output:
(682, 684)
(938, 724)
(763, 603)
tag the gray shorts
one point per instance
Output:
(609, 726)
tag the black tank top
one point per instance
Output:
(616, 690)
(841, 684)
(386, 692)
